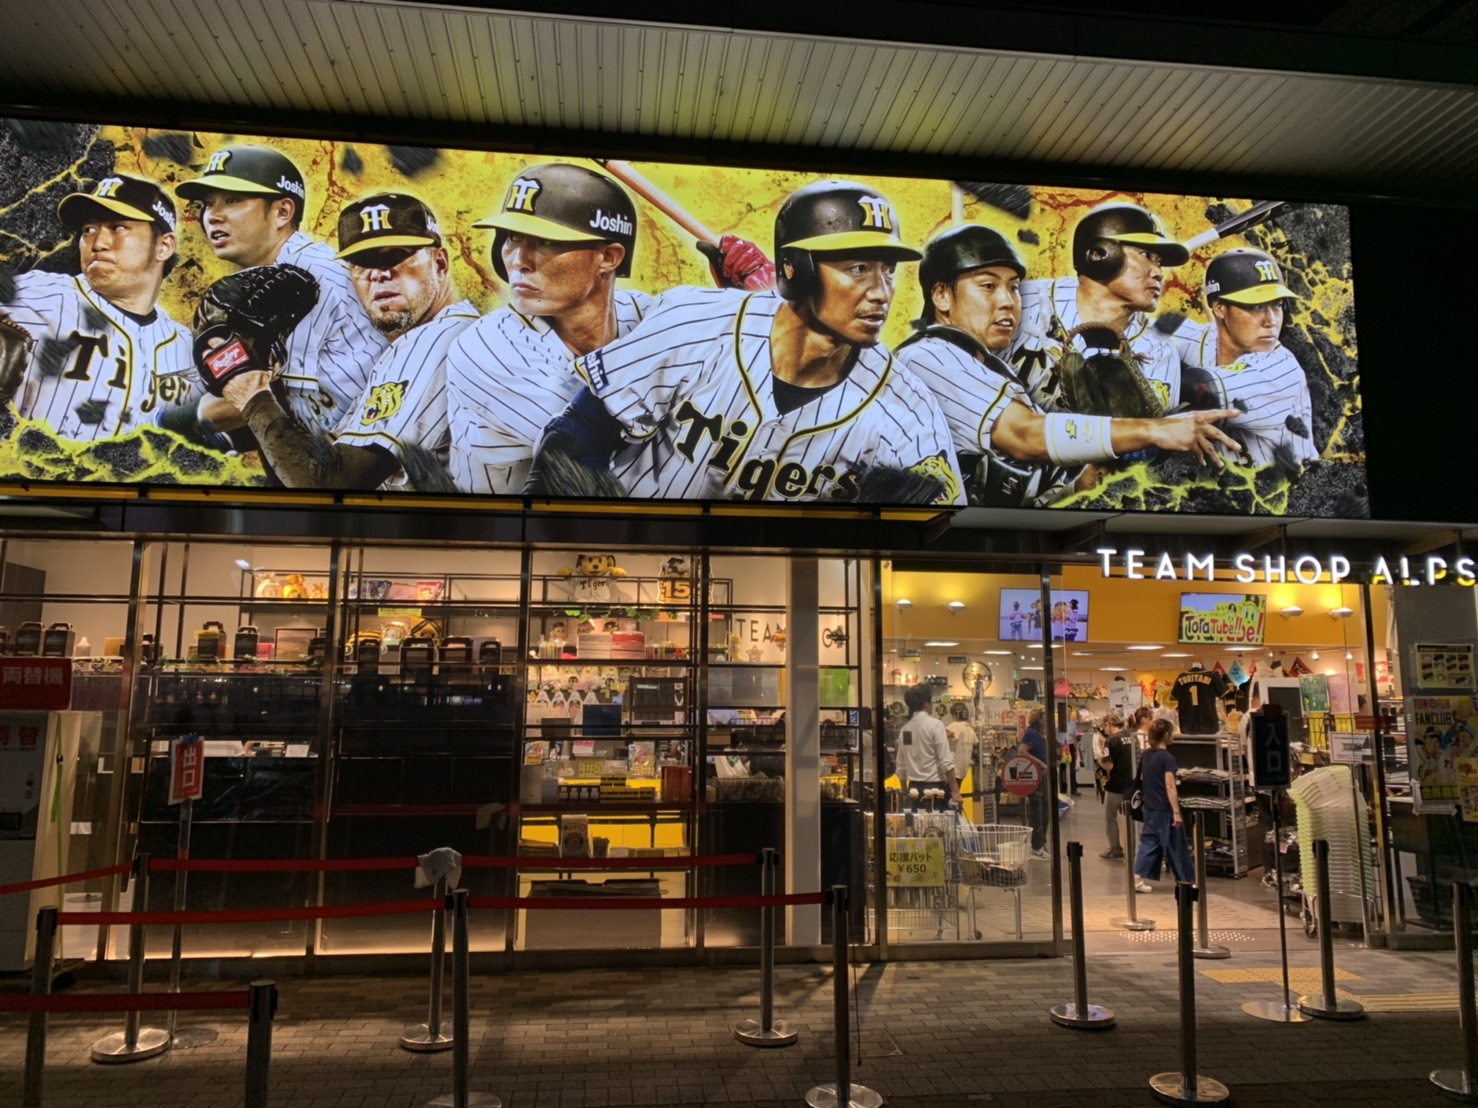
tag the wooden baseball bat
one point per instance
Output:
(665, 204)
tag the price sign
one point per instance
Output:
(1021, 775)
(915, 862)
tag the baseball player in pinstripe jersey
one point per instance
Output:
(562, 238)
(783, 395)
(1249, 368)
(397, 434)
(251, 205)
(106, 357)
(1120, 253)
(1010, 452)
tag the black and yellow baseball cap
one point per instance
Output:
(119, 195)
(838, 217)
(560, 202)
(254, 170)
(1246, 276)
(386, 221)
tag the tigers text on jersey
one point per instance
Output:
(1049, 310)
(508, 375)
(1270, 388)
(405, 400)
(330, 353)
(96, 370)
(693, 386)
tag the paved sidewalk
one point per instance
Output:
(930, 1034)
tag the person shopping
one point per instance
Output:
(925, 761)
(1034, 743)
(1162, 834)
(1118, 763)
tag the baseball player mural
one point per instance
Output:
(784, 395)
(93, 355)
(971, 279)
(1083, 348)
(562, 238)
(1249, 369)
(397, 434)
(251, 202)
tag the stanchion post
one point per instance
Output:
(461, 1096)
(36, 1028)
(428, 1037)
(844, 1093)
(262, 1008)
(1461, 1083)
(1327, 1006)
(1132, 921)
(188, 1036)
(1204, 948)
(767, 1032)
(133, 1043)
(1188, 1086)
(1079, 1014)
(1286, 1012)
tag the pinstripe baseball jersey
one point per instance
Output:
(330, 353)
(1049, 310)
(971, 394)
(405, 400)
(507, 376)
(1270, 388)
(693, 387)
(97, 371)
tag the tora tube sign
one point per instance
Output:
(1225, 618)
(190, 308)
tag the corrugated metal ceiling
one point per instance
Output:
(362, 59)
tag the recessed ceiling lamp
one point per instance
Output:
(1144, 648)
(942, 642)
(1175, 654)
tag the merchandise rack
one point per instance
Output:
(1222, 791)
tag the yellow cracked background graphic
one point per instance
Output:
(461, 186)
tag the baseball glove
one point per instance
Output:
(1103, 376)
(15, 355)
(244, 319)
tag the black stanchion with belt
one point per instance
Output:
(844, 1093)
(460, 1096)
(1327, 1005)
(428, 1037)
(40, 986)
(1463, 1083)
(768, 1031)
(1187, 1086)
(134, 1043)
(262, 1008)
(1079, 1014)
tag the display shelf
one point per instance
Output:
(1224, 797)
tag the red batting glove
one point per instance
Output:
(739, 264)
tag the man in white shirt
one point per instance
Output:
(925, 760)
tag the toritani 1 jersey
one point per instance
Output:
(406, 398)
(1269, 388)
(1049, 311)
(1195, 694)
(693, 387)
(97, 371)
(330, 353)
(508, 375)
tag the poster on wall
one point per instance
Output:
(1439, 731)
(1021, 615)
(1223, 618)
(219, 310)
(1313, 690)
(1444, 665)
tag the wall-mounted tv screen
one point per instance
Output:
(1227, 618)
(1022, 616)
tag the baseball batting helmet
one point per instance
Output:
(559, 202)
(959, 250)
(1247, 277)
(1106, 229)
(832, 217)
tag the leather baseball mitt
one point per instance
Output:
(244, 319)
(15, 355)
(1102, 376)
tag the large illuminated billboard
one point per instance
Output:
(231, 310)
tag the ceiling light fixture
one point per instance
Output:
(1293, 611)
(1144, 648)
(1342, 612)
(955, 607)
(942, 642)
(903, 602)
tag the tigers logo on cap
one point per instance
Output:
(119, 196)
(386, 221)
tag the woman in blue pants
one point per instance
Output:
(1162, 835)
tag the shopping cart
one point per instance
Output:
(993, 856)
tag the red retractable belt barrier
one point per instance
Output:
(65, 879)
